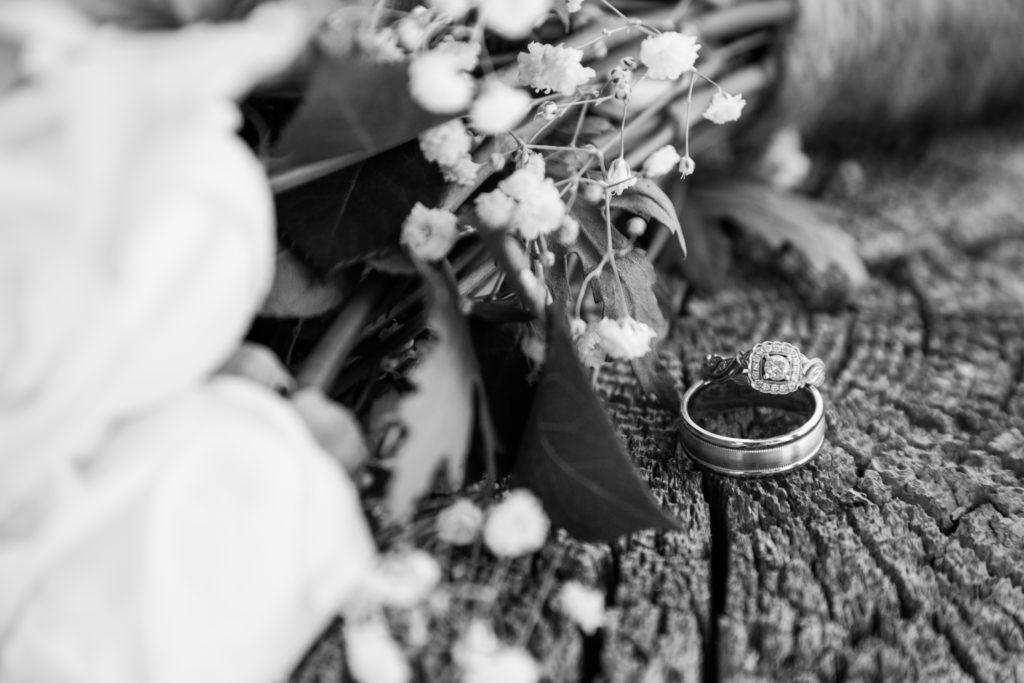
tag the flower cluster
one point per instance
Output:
(527, 202)
(622, 339)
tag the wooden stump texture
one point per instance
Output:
(898, 555)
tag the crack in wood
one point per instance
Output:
(716, 497)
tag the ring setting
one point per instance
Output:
(772, 374)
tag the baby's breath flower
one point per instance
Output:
(687, 166)
(498, 107)
(460, 522)
(583, 605)
(539, 208)
(669, 55)
(507, 665)
(483, 659)
(569, 230)
(588, 347)
(661, 162)
(533, 162)
(462, 172)
(466, 54)
(624, 338)
(573, 6)
(636, 226)
(577, 327)
(534, 349)
(593, 193)
(620, 177)
(784, 163)
(403, 578)
(439, 83)
(372, 654)
(550, 68)
(513, 18)
(548, 111)
(495, 209)
(724, 107)
(517, 525)
(381, 46)
(446, 144)
(429, 233)
(411, 30)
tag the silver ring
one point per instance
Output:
(792, 389)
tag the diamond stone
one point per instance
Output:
(776, 368)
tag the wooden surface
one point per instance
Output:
(899, 554)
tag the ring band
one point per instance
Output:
(741, 457)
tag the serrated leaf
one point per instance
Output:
(636, 273)
(573, 460)
(439, 413)
(647, 200)
(351, 106)
(355, 214)
(781, 219)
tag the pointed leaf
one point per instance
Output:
(573, 460)
(647, 200)
(439, 413)
(636, 273)
(356, 213)
(710, 257)
(351, 106)
(782, 219)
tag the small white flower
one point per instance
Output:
(463, 172)
(583, 605)
(513, 18)
(466, 54)
(550, 68)
(548, 110)
(403, 578)
(620, 177)
(411, 30)
(429, 233)
(495, 209)
(446, 144)
(569, 232)
(439, 83)
(784, 163)
(573, 6)
(451, 9)
(507, 665)
(534, 162)
(669, 55)
(517, 525)
(460, 522)
(593, 193)
(588, 346)
(484, 659)
(687, 166)
(577, 328)
(636, 226)
(372, 654)
(624, 338)
(661, 162)
(539, 209)
(499, 107)
(381, 46)
(534, 349)
(724, 107)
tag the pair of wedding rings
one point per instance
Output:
(774, 375)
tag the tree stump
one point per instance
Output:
(899, 553)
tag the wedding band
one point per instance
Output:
(756, 379)
(771, 367)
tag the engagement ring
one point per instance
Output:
(773, 376)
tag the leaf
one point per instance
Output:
(333, 426)
(636, 273)
(297, 292)
(439, 413)
(573, 460)
(355, 214)
(647, 200)
(710, 258)
(782, 220)
(351, 106)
